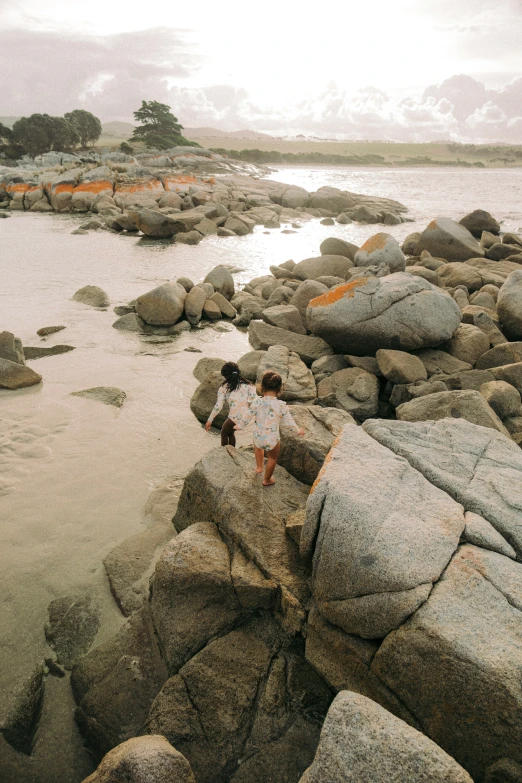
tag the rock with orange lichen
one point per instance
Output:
(93, 186)
(381, 249)
(397, 311)
(444, 238)
(60, 189)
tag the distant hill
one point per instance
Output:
(215, 133)
(121, 130)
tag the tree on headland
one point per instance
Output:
(158, 127)
(42, 133)
(88, 127)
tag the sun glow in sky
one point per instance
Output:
(279, 53)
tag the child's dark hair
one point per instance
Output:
(232, 375)
(271, 381)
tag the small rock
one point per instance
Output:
(92, 295)
(74, 622)
(45, 330)
(109, 395)
(129, 323)
(39, 353)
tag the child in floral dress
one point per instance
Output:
(239, 393)
(268, 412)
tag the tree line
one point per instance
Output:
(157, 128)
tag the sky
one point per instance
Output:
(405, 70)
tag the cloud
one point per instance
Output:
(55, 72)
(109, 75)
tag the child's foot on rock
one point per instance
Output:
(269, 483)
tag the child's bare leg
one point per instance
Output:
(260, 459)
(271, 462)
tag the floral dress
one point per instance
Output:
(269, 412)
(238, 401)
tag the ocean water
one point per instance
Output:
(75, 474)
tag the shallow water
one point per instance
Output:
(74, 473)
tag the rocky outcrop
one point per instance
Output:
(262, 336)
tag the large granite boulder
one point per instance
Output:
(11, 348)
(194, 304)
(150, 759)
(444, 238)
(205, 396)
(115, 684)
(397, 311)
(509, 305)
(308, 290)
(362, 742)
(476, 465)
(353, 389)
(262, 336)
(222, 281)
(504, 353)
(457, 661)
(338, 247)
(303, 456)
(17, 376)
(193, 595)
(240, 707)
(163, 306)
(468, 344)
(156, 224)
(312, 268)
(411, 529)
(466, 404)
(223, 488)
(478, 221)
(285, 317)
(381, 249)
(298, 380)
(400, 367)
(332, 199)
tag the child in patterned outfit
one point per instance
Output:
(239, 394)
(268, 413)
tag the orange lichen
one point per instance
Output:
(432, 225)
(377, 242)
(151, 186)
(180, 179)
(334, 294)
(64, 187)
(17, 187)
(93, 187)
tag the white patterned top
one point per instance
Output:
(238, 401)
(269, 412)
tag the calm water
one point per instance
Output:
(75, 474)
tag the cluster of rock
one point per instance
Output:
(377, 333)
(14, 373)
(359, 620)
(176, 307)
(188, 193)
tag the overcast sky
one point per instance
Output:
(400, 69)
